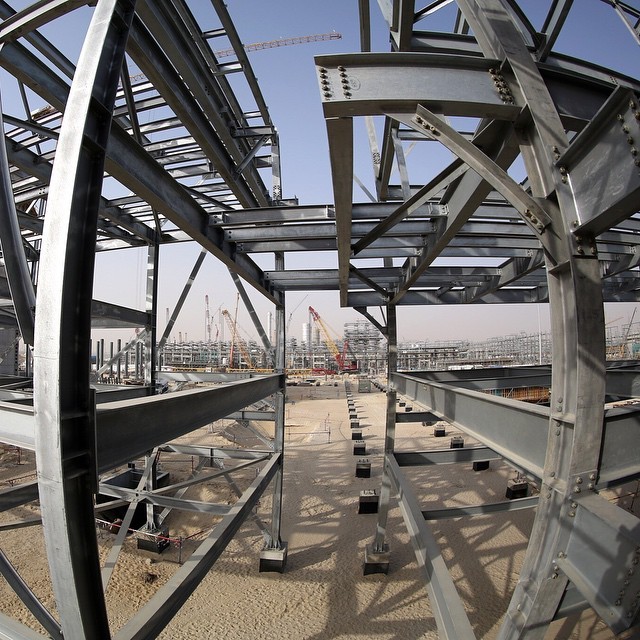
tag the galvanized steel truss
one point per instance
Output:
(490, 91)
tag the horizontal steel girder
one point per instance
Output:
(445, 602)
(359, 84)
(518, 431)
(127, 429)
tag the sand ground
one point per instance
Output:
(323, 593)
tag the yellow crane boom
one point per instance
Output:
(237, 340)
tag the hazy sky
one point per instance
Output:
(288, 82)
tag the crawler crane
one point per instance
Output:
(341, 358)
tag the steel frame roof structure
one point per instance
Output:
(492, 92)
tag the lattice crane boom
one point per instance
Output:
(281, 42)
(257, 46)
(238, 341)
(328, 340)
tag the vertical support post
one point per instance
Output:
(274, 555)
(275, 167)
(139, 360)
(152, 311)
(119, 363)
(151, 473)
(377, 554)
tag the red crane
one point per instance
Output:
(340, 358)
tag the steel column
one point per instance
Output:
(390, 429)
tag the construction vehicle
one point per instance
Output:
(345, 365)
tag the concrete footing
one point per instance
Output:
(359, 448)
(376, 561)
(481, 465)
(363, 468)
(156, 541)
(369, 501)
(517, 489)
(273, 559)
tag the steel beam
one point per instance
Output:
(606, 187)
(448, 610)
(13, 256)
(129, 428)
(367, 84)
(517, 431)
(444, 456)
(65, 425)
(481, 509)
(154, 616)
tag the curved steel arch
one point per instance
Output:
(63, 403)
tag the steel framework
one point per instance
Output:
(491, 91)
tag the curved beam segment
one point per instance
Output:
(64, 404)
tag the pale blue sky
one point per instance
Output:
(288, 82)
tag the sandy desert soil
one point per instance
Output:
(323, 593)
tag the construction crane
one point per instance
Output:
(236, 339)
(291, 314)
(340, 358)
(281, 42)
(258, 46)
(207, 320)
